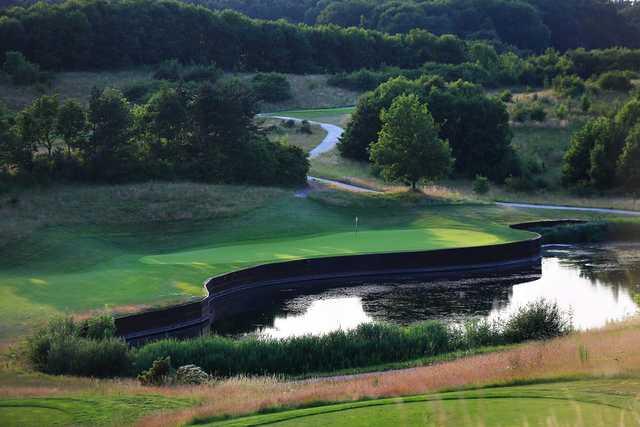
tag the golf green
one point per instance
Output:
(564, 404)
(76, 269)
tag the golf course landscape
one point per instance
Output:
(310, 213)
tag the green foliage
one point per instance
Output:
(615, 80)
(476, 126)
(271, 87)
(158, 374)
(577, 161)
(71, 124)
(585, 103)
(369, 344)
(629, 163)
(202, 73)
(21, 71)
(139, 92)
(66, 347)
(481, 185)
(539, 320)
(36, 124)
(562, 112)
(408, 147)
(506, 96)
(569, 85)
(170, 70)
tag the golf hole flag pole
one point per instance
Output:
(356, 225)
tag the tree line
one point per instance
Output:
(200, 133)
(526, 24)
(100, 34)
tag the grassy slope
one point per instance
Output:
(292, 135)
(590, 403)
(79, 267)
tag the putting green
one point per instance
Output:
(569, 404)
(74, 269)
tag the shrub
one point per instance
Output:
(64, 347)
(570, 86)
(562, 112)
(481, 185)
(585, 103)
(536, 321)
(140, 91)
(168, 70)
(615, 80)
(200, 73)
(537, 113)
(21, 71)
(271, 87)
(191, 375)
(159, 373)
(305, 128)
(506, 96)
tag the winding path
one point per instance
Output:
(335, 132)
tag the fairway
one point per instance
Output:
(334, 116)
(75, 269)
(586, 403)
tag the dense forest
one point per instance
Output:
(526, 24)
(97, 34)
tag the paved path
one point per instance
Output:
(335, 132)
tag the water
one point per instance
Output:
(595, 284)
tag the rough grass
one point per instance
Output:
(609, 355)
(292, 135)
(310, 92)
(565, 403)
(77, 85)
(609, 352)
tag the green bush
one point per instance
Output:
(21, 71)
(159, 373)
(539, 320)
(481, 185)
(271, 87)
(537, 113)
(506, 96)
(64, 347)
(140, 91)
(200, 73)
(168, 70)
(571, 86)
(615, 80)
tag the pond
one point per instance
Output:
(594, 284)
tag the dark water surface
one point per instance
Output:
(594, 283)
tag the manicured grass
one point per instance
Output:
(335, 116)
(84, 410)
(589, 403)
(75, 268)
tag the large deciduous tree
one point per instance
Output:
(408, 147)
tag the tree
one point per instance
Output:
(36, 124)
(110, 151)
(71, 124)
(408, 147)
(629, 163)
(579, 160)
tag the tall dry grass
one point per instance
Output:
(607, 352)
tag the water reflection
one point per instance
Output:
(595, 283)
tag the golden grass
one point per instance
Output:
(607, 352)
(27, 211)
